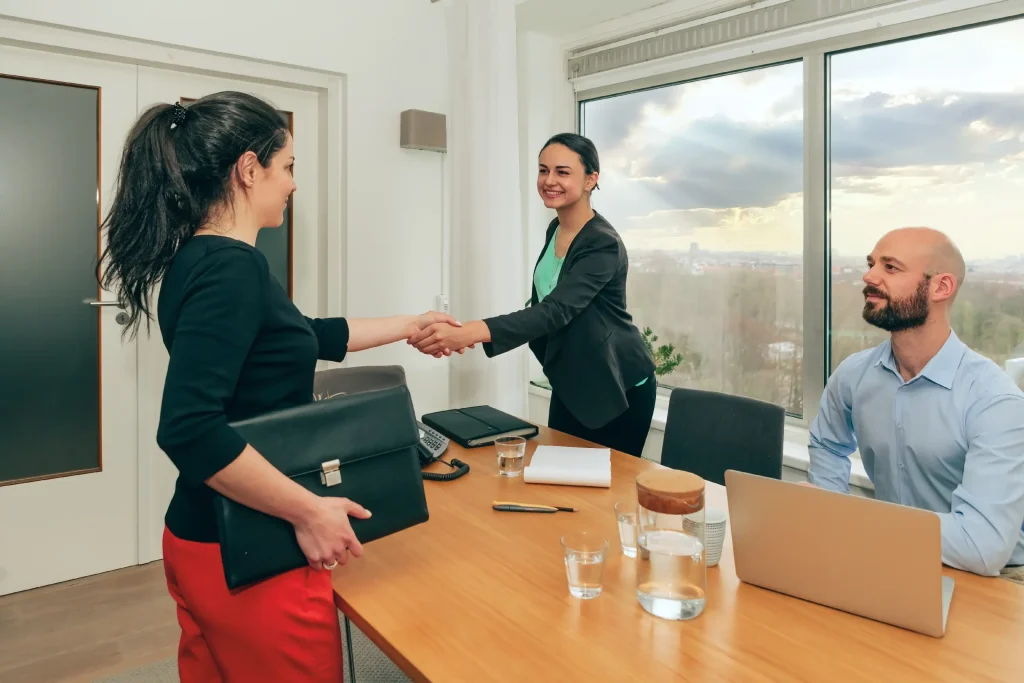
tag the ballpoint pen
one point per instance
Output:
(505, 506)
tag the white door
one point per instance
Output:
(294, 250)
(68, 393)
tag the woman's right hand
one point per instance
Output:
(325, 534)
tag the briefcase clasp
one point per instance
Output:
(330, 473)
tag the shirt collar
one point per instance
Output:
(941, 369)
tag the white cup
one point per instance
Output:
(715, 522)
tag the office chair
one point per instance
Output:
(329, 383)
(707, 433)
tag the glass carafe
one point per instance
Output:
(671, 576)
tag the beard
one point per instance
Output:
(897, 315)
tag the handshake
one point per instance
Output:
(438, 334)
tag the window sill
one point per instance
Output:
(794, 447)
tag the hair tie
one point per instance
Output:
(179, 115)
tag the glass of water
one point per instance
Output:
(625, 515)
(584, 563)
(511, 452)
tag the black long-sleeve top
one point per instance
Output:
(238, 348)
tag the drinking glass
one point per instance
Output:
(511, 452)
(584, 563)
(625, 515)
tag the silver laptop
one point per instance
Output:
(871, 558)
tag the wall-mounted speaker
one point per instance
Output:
(424, 130)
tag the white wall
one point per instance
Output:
(393, 55)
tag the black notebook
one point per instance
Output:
(478, 425)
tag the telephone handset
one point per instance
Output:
(431, 447)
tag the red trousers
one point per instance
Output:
(280, 630)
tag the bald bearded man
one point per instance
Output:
(939, 427)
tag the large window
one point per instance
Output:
(704, 178)
(930, 132)
(704, 182)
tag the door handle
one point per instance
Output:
(96, 303)
(121, 318)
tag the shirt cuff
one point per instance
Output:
(495, 346)
(333, 335)
(202, 457)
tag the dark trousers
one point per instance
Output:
(626, 433)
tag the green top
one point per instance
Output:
(545, 276)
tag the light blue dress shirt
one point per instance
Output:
(951, 440)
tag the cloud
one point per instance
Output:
(941, 129)
(882, 145)
(889, 181)
(645, 179)
(777, 227)
(789, 106)
(608, 121)
(714, 163)
(679, 222)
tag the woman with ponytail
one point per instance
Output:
(196, 185)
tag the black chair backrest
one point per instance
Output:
(707, 433)
(340, 381)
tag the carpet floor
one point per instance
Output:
(372, 666)
(165, 671)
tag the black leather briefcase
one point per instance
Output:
(360, 446)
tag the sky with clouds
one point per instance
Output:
(923, 132)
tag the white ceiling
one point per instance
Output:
(560, 17)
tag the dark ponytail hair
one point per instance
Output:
(583, 147)
(176, 168)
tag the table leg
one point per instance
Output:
(349, 651)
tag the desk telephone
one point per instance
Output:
(431, 447)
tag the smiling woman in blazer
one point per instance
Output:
(602, 377)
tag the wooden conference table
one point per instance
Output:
(478, 595)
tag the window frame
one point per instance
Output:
(815, 55)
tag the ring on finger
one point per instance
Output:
(330, 566)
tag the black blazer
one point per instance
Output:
(591, 351)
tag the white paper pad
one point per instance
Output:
(570, 466)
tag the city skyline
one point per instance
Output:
(937, 140)
(844, 260)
